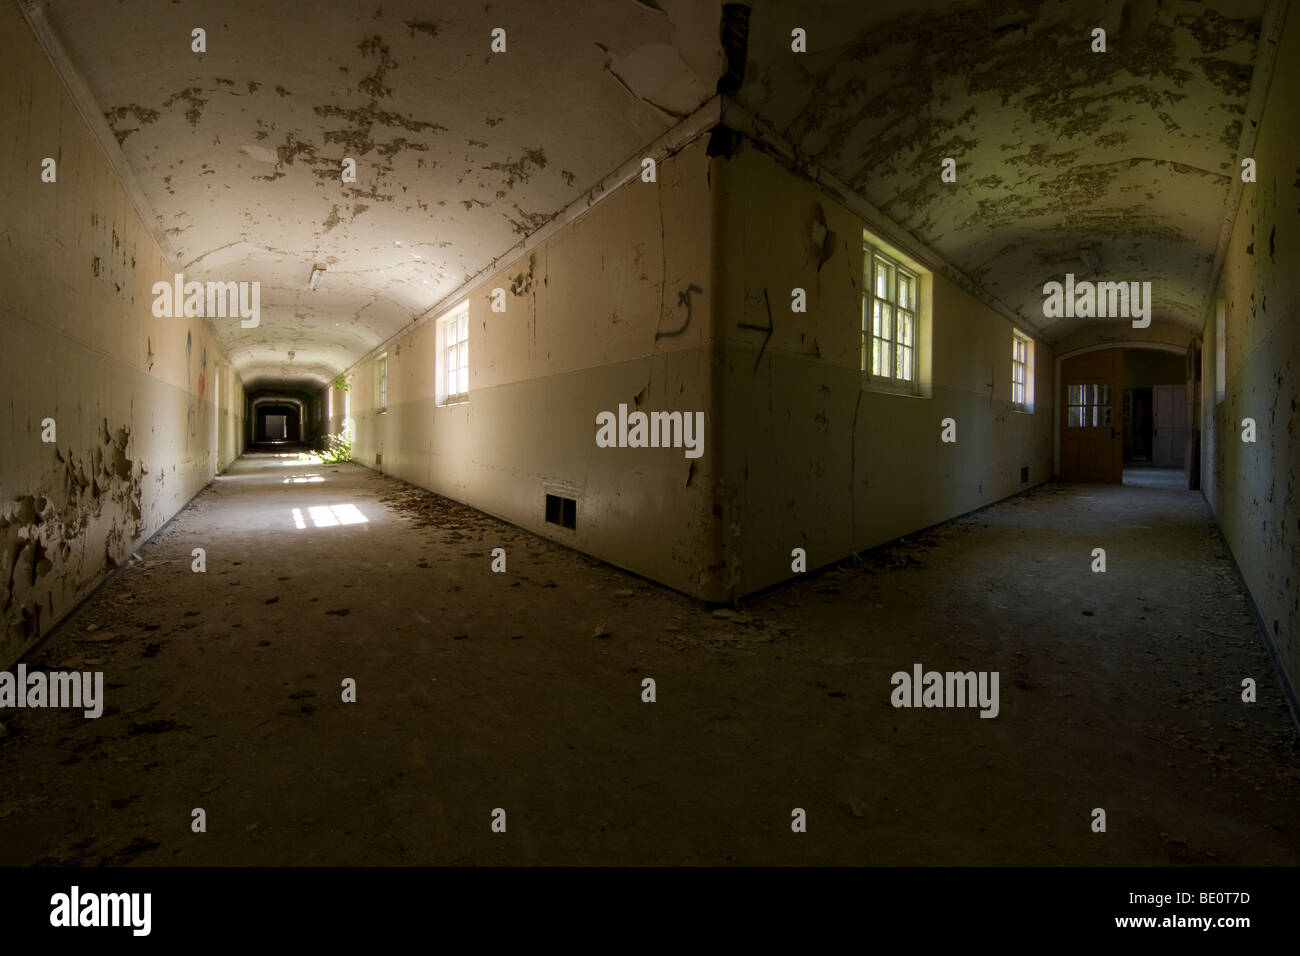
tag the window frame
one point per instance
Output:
(453, 358)
(349, 429)
(1025, 401)
(869, 330)
(381, 383)
(1090, 397)
(1220, 349)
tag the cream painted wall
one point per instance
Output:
(1210, 400)
(810, 458)
(131, 395)
(1254, 489)
(593, 319)
(784, 463)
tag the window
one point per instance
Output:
(381, 383)
(889, 319)
(1088, 406)
(453, 356)
(348, 430)
(1022, 371)
(1220, 349)
(329, 407)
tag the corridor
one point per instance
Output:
(649, 432)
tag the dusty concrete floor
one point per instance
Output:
(479, 690)
(1148, 476)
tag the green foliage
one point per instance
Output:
(337, 448)
(342, 384)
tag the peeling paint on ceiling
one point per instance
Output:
(459, 151)
(1129, 152)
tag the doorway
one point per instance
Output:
(1156, 423)
(277, 423)
(1137, 425)
(1091, 440)
(216, 419)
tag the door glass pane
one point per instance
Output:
(1076, 416)
(1076, 395)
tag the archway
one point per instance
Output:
(1127, 414)
(277, 419)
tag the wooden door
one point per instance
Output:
(1092, 440)
(1192, 452)
(1170, 423)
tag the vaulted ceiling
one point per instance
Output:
(1131, 153)
(460, 151)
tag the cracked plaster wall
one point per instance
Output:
(614, 308)
(132, 396)
(811, 459)
(1254, 489)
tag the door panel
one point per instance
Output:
(1092, 441)
(1170, 437)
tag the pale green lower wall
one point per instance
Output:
(644, 509)
(814, 461)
